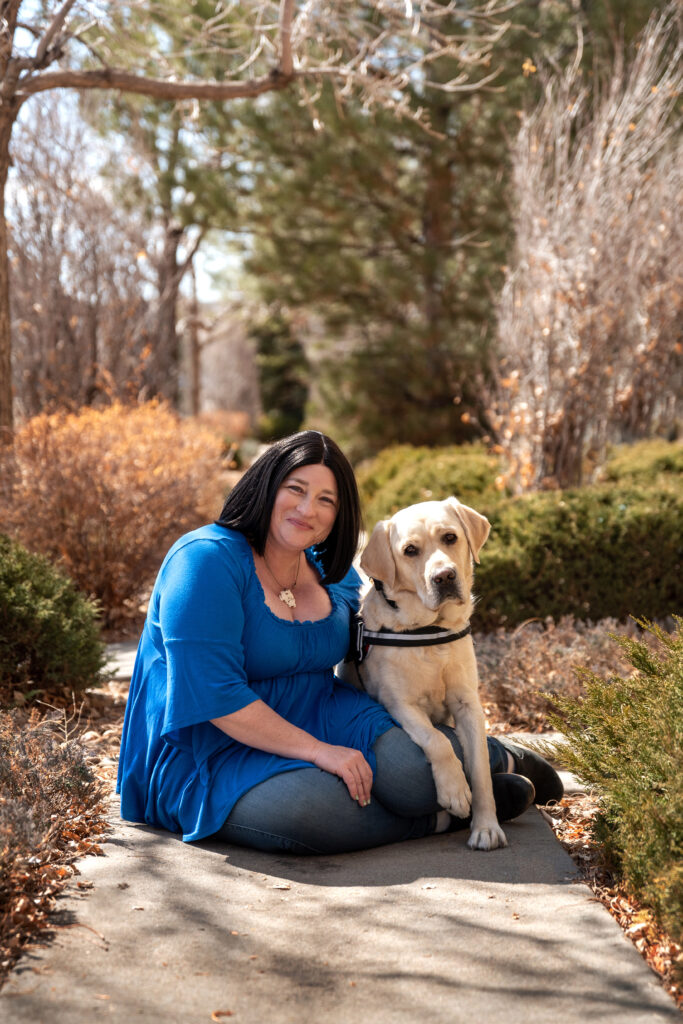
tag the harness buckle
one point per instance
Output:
(357, 650)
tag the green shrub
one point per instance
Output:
(598, 552)
(403, 475)
(605, 551)
(49, 634)
(624, 737)
(104, 492)
(643, 463)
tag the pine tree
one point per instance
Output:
(284, 375)
(395, 238)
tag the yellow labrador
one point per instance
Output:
(421, 563)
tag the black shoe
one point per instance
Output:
(512, 794)
(547, 782)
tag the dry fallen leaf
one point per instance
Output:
(281, 885)
(571, 822)
(217, 1014)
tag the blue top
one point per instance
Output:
(210, 646)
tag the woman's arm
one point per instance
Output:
(257, 725)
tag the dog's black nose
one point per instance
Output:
(444, 576)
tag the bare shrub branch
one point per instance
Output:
(590, 315)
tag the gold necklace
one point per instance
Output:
(285, 595)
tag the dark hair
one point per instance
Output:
(249, 505)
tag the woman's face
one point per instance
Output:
(305, 508)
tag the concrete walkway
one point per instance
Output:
(426, 932)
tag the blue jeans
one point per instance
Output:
(309, 811)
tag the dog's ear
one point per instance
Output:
(475, 525)
(377, 560)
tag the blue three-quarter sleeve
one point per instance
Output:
(201, 619)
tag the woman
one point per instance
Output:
(236, 726)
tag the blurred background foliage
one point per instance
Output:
(480, 297)
(449, 275)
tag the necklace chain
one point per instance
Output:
(285, 595)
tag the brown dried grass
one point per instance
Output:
(51, 813)
(516, 668)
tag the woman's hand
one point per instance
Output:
(350, 766)
(257, 725)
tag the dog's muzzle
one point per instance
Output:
(446, 585)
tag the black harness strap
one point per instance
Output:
(425, 636)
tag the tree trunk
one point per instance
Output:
(7, 118)
(163, 367)
(438, 231)
(195, 356)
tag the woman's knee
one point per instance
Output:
(403, 780)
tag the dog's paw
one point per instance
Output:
(457, 800)
(489, 838)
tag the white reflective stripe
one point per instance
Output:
(410, 637)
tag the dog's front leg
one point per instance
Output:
(486, 833)
(452, 790)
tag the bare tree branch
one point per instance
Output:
(286, 58)
(125, 81)
(51, 32)
(9, 10)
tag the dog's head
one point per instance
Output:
(427, 549)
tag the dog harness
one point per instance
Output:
(426, 636)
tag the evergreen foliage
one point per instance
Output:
(609, 24)
(625, 739)
(394, 238)
(49, 635)
(284, 371)
(644, 463)
(596, 552)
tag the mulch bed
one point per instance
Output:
(515, 667)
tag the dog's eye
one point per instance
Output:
(450, 538)
(411, 551)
